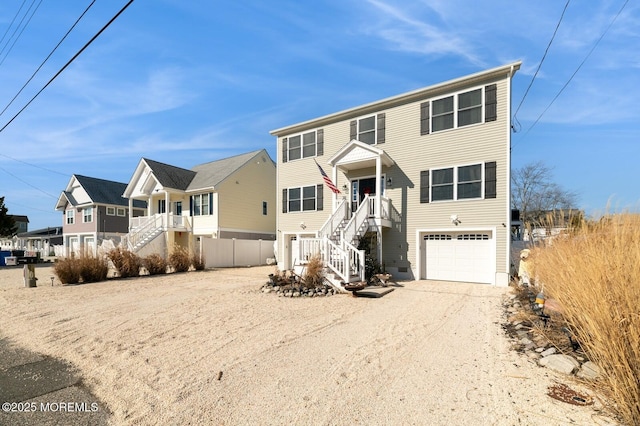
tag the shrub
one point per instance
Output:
(179, 259)
(197, 261)
(67, 270)
(92, 268)
(125, 262)
(313, 273)
(593, 273)
(155, 264)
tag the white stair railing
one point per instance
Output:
(337, 217)
(355, 226)
(144, 229)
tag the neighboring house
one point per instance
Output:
(423, 179)
(10, 242)
(224, 199)
(45, 241)
(94, 210)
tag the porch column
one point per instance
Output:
(378, 188)
(166, 209)
(130, 213)
(334, 179)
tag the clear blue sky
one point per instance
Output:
(186, 82)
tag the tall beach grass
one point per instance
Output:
(594, 273)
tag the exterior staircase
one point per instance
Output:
(143, 233)
(337, 243)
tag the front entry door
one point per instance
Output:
(362, 187)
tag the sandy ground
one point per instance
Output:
(210, 348)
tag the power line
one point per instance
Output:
(543, 57)
(47, 58)
(27, 183)
(21, 31)
(12, 21)
(579, 67)
(33, 165)
(68, 63)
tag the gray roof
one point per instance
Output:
(170, 176)
(213, 173)
(103, 191)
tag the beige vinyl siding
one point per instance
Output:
(239, 198)
(413, 153)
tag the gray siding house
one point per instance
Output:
(94, 210)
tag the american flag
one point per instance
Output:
(327, 180)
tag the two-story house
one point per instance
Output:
(422, 177)
(229, 198)
(94, 210)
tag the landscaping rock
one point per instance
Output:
(589, 370)
(561, 363)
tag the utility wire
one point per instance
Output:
(543, 57)
(47, 58)
(27, 183)
(579, 66)
(68, 63)
(21, 31)
(33, 165)
(12, 21)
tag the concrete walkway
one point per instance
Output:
(40, 390)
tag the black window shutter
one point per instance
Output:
(353, 130)
(424, 186)
(285, 148)
(490, 180)
(319, 197)
(424, 118)
(191, 205)
(211, 203)
(381, 128)
(490, 102)
(320, 142)
(285, 200)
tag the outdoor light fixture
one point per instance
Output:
(344, 188)
(302, 225)
(454, 219)
(389, 181)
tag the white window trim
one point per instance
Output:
(301, 135)
(120, 209)
(301, 188)
(455, 183)
(84, 215)
(71, 214)
(202, 197)
(456, 109)
(375, 127)
(111, 211)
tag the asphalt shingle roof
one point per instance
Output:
(171, 176)
(103, 191)
(213, 173)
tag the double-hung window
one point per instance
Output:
(470, 181)
(303, 145)
(71, 217)
(369, 129)
(201, 204)
(87, 215)
(301, 199)
(457, 183)
(462, 109)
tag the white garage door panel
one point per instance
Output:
(466, 257)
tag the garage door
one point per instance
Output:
(466, 257)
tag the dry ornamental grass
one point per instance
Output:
(594, 273)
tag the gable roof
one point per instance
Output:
(208, 175)
(169, 176)
(100, 191)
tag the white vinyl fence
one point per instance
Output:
(221, 253)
